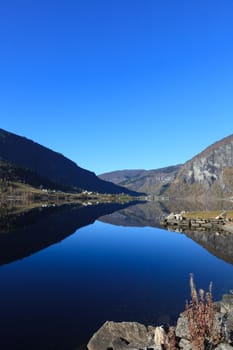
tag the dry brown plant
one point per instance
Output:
(200, 314)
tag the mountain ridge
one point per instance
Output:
(210, 172)
(214, 145)
(150, 181)
(52, 165)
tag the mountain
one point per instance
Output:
(149, 181)
(210, 172)
(52, 165)
(12, 173)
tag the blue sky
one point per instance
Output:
(118, 84)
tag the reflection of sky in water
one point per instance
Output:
(62, 294)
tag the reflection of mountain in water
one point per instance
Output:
(219, 244)
(151, 213)
(28, 232)
(139, 215)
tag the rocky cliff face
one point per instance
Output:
(210, 172)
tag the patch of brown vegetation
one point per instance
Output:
(200, 313)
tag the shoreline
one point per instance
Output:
(201, 221)
(136, 336)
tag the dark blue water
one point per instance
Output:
(59, 296)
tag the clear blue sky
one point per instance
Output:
(118, 84)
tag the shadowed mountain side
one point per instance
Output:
(52, 165)
(34, 230)
(14, 173)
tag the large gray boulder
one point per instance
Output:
(120, 336)
(136, 336)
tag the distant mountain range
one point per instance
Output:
(31, 162)
(148, 181)
(208, 173)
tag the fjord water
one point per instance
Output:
(64, 274)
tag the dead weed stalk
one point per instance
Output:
(200, 313)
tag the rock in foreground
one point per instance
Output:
(126, 336)
(136, 336)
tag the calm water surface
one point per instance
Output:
(59, 296)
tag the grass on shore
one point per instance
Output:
(207, 214)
